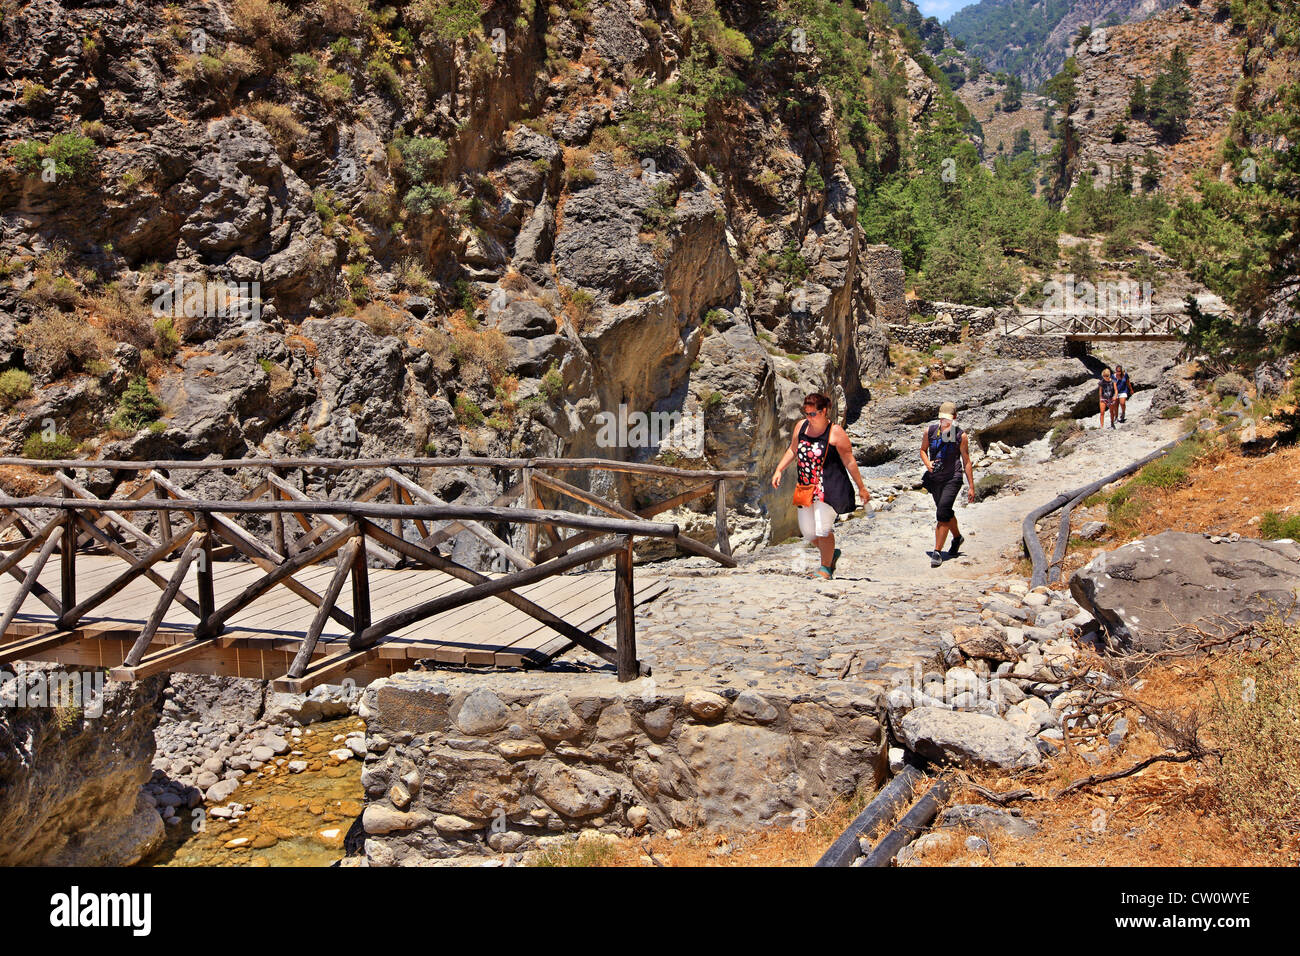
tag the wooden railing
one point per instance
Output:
(66, 518)
(1137, 323)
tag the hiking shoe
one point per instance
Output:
(1122, 418)
(1112, 424)
(824, 573)
(936, 558)
(955, 547)
(835, 559)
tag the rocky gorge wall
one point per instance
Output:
(70, 782)
(458, 765)
(399, 199)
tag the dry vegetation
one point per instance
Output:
(1238, 806)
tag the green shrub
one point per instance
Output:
(384, 75)
(1273, 526)
(1173, 411)
(73, 155)
(552, 383)
(15, 385)
(335, 87)
(424, 199)
(305, 67)
(137, 407)
(468, 413)
(446, 20)
(60, 446)
(990, 485)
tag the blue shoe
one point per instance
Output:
(835, 559)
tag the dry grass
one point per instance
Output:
(1166, 815)
(1217, 498)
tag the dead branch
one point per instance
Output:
(1118, 774)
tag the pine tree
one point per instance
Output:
(1137, 101)
(1169, 104)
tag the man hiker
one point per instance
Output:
(1123, 389)
(823, 492)
(1108, 395)
(945, 452)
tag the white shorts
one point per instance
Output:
(816, 522)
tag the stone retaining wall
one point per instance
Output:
(920, 336)
(1029, 346)
(459, 766)
(981, 319)
(940, 323)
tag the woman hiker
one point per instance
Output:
(1123, 389)
(823, 492)
(1108, 396)
(945, 452)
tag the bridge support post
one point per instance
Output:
(68, 555)
(360, 585)
(720, 521)
(207, 596)
(624, 615)
(530, 501)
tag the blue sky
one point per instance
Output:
(942, 9)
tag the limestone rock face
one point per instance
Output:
(616, 276)
(70, 783)
(1141, 591)
(952, 736)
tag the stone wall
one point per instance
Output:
(920, 336)
(886, 283)
(458, 765)
(1029, 346)
(981, 319)
(929, 324)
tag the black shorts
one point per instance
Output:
(945, 496)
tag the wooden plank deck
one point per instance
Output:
(261, 640)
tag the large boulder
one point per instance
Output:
(951, 736)
(1149, 594)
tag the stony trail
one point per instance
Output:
(766, 625)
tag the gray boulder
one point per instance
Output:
(983, 818)
(978, 740)
(1141, 592)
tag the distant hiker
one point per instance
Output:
(1108, 395)
(823, 492)
(1123, 389)
(943, 446)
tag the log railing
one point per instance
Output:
(1136, 323)
(65, 517)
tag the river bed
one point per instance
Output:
(293, 819)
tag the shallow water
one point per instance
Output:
(294, 819)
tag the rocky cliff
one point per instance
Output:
(1114, 59)
(433, 226)
(70, 776)
(1032, 38)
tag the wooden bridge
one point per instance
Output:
(300, 590)
(1150, 325)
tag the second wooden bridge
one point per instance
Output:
(283, 586)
